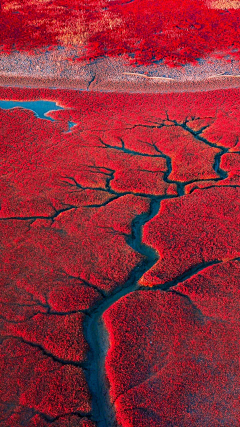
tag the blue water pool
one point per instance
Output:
(40, 108)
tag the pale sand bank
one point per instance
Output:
(54, 70)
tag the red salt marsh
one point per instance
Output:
(176, 32)
(143, 191)
(174, 356)
(212, 233)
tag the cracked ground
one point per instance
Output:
(120, 254)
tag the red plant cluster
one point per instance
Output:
(173, 358)
(68, 200)
(215, 291)
(19, 417)
(175, 31)
(171, 139)
(211, 234)
(33, 383)
(61, 336)
(230, 164)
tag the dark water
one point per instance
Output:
(40, 108)
(70, 125)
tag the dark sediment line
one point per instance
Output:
(188, 274)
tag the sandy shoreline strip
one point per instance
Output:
(54, 70)
(135, 84)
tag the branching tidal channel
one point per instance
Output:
(103, 413)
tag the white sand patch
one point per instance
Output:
(223, 4)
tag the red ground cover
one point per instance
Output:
(143, 30)
(20, 417)
(68, 200)
(211, 233)
(33, 383)
(173, 358)
(230, 164)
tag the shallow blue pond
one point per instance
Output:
(40, 108)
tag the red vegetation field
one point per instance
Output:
(211, 233)
(175, 31)
(174, 356)
(33, 383)
(230, 163)
(72, 207)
